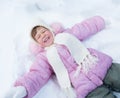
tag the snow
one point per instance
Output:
(15, 16)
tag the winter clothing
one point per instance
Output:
(101, 92)
(16, 92)
(41, 70)
(111, 82)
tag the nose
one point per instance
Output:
(42, 34)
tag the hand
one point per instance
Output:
(108, 21)
(16, 92)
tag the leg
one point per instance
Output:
(112, 78)
(101, 92)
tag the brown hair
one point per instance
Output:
(34, 31)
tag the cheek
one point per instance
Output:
(39, 41)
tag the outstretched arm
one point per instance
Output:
(88, 27)
(38, 75)
(57, 27)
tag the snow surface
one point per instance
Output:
(16, 15)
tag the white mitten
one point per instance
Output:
(108, 21)
(16, 92)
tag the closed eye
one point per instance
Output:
(38, 36)
(43, 31)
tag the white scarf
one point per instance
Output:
(79, 53)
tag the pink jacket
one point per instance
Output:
(41, 70)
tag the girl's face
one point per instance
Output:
(44, 37)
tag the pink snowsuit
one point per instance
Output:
(41, 71)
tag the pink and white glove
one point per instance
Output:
(16, 92)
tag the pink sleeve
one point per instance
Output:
(35, 49)
(88, 27)
(57, 27)
(38, 75)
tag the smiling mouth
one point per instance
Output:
(45, 39)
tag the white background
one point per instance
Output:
(15, 16)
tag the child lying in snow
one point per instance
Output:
(81, 72)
